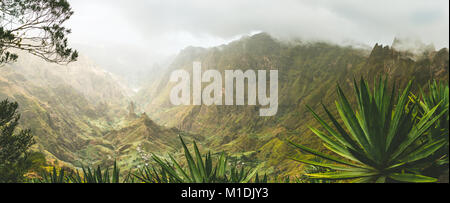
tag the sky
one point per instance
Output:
(142, 32)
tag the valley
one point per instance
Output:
(83, 115)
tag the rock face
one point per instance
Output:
(70, 108)
(81, 114)
(308, 74)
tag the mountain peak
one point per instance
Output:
(144, 117)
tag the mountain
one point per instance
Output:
(308, 74)
(142, 136)
(76, 112)
(81, 114)
(62, 105)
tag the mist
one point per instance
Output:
(132, 36)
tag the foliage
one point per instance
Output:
(88, 175)
(92, 175)
(38, 160)
(438, 93)
(35, 26)
(198, 170)
(14, 154)
(53, 176)
(379, 142)
(312, 169)
(306, 73)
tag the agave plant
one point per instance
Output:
(199, 170)
(438, 93)
(92, 175)
(89, 175)
(379, 141)
(53, 176)
(150, 174)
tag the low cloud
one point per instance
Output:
(163, 27)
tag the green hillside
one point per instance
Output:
(308, 74)
(81, 115)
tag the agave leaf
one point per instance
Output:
(364, 101)
(191, 163)
(424, 152)
(351, 122)
(178, 167)
(414, 178)
(424, 124)
(399, 112)
(116, 173)
(208, 165)
(98, 175)
(250, 175)
(343, 138)
(324, 156)
(363, 180)
(330, 166)
(350, 156)
(343, 134)
(75, 177)
(221, 165)
(61, 176)
(338, 147)
(342, 175)
(167, 168)
(200, 166)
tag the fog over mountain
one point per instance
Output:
(140, 33)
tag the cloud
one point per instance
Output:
(163, 27)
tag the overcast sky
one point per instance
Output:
(154, 28)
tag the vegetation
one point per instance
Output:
(381, 140)
(198, 170)
(306, 73)
(88, 175)
(15, 158)
(65, 118)
(35, 26)
(437, 95)
(390, 137)
(312, 169)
